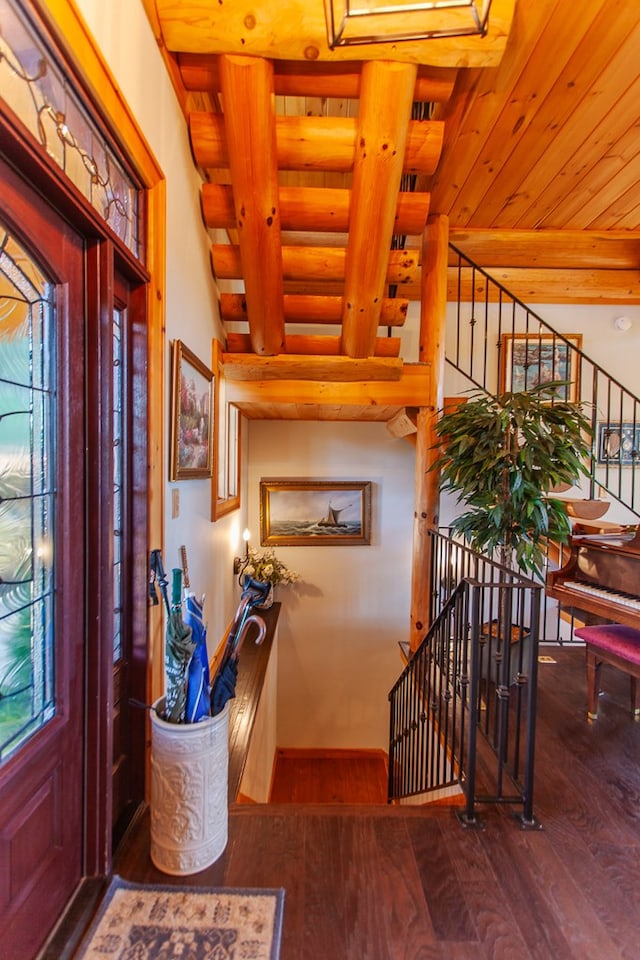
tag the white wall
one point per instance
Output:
(339, 629)
(125, 38)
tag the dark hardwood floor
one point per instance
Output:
(330, 776)
(381, 883)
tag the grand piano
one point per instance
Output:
(601, 579)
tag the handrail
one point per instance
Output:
(474, 673)
(528, 350)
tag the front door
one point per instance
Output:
(42, 564)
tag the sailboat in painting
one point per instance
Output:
(332, 518)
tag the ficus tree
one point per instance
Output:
(501, 456)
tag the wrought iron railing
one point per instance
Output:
(474, 673)
(498, 343)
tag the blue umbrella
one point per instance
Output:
(198, 680)
(224, 682)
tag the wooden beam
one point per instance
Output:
(320, 263)
(408, 391)
(314, 143)
(554, 249)
(385, 109)
(540, 286)
(296, 30)
(433, 319)
(250, 135)
(293, 367)
(312, 310)
(318, 345)
(299, 79)
(317, 209)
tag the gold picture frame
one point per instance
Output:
(225, 483)
(191, 429)
(527, 360)
(315, 513)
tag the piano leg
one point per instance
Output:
(593, 683)
(635, 703)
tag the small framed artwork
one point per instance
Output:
(191, 416)
(315, 513)
(225, 487)
(618, 443)
(527, 360)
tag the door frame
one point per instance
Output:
(90, 73)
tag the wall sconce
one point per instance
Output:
(350, 22)
(239, 563)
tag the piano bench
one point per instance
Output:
(618, 645)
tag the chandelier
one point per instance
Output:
(351, 22)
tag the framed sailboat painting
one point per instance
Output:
(315, 513)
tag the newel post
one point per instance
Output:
(433, 315)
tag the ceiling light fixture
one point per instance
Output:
(351, 22)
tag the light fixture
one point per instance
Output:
(622, 323)
(239, 563)
(351, 22)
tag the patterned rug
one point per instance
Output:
(140, 922)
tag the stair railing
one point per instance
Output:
(498, 343)
(474, 673)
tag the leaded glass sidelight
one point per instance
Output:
(27, 452)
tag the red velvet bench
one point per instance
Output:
(619, 645)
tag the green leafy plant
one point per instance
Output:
(266, 567)
(501, 456)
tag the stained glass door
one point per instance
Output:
(42, 621)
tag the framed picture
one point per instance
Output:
(315, 513)
(225, 486)
(191, 416)
(618, 443)
(527, 360)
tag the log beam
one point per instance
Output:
(385, 109)
(316, 209)
(409, 390)
(298, 79)
(315, 263)
(323, 369)
(315, 143)
(296, 30)
(307, 345)
(250, 135)
(311, 309)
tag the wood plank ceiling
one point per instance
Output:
(321, 167)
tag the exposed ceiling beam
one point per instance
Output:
(317, 209)
(312, 309)
(251, 141)
(300, 79)
(314, 345)
(386, 97)
(314, 263)
(409, 390)
(296, 30)
(241, 366)
(315, 143)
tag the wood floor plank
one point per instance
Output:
(373, 882)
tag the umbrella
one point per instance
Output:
(224, 682)
(178, 651)
(198, 683)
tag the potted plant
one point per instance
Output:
(501, 456)
(267, 568)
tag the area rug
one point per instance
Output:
(144, 922)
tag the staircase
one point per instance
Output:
(497, 343)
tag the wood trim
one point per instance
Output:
(75, 39)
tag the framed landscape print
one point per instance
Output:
(191, 416)
(530, 359)
(315, 513)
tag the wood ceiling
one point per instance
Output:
(321, 168)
